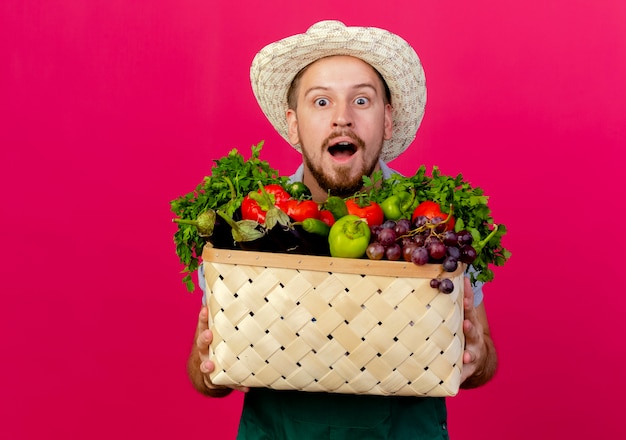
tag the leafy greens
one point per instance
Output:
(232, 178)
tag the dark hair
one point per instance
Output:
(292, 92)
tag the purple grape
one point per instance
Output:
(419, 256)
(428, 239)
(453, 252)
(387, 236)
(434, 283)
(374, 230)
(391, 224)
(450, 264)
(375, 251)
(393, 252)
(420, 239)
(419, 221)
(446, 286)
(407, 250)
(468, 254)
(450, 238)
(436, 249)
(406, 241)
(439, 226)
(436, 220)
(402, 226)
(464, 237)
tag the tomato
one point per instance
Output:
(349, 237)
(370, 211)
(300, 210)
(430, 209)
(256, 204)
(327, 217)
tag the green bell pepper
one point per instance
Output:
(398, 205)
(349, 237)
(337, 206)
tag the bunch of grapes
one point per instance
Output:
(422, 241)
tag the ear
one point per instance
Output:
(292, 125)
(388, 122)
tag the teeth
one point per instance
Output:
(344, 144)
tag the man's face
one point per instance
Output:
(341, 122)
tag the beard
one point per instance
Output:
(342, 182)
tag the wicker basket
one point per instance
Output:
(309, 323)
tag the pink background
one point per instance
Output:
(112, 108)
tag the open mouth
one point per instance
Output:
(342, 149)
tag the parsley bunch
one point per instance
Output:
(231, 179)
(468, 204)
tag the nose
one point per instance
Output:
(342, 116)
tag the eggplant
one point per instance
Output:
(222, 236)
(261, 244)
(293, 239)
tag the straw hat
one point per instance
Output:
(275, 66)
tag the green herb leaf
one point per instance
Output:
(231, 178)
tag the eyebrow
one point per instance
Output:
(355, 87)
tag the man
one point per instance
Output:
(349, 99)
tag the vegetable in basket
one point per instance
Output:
(336, 206)
(349, 237)
(436, 197)
(299, 210)
(431, 210)
(362, 207)
(257, 204)
(232, 177)
(298, 190)
(398, 205)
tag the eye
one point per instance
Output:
(361, 101)
(321, 102)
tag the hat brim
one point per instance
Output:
(276, 65)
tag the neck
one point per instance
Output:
(319, 194)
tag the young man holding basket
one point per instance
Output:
(349, 99)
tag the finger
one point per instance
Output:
(469, 357)
(468, 294)
(203, 319)
(469, 330)
(204, 340)
(207, 367)
(467, 326)
(242, 389)
(469, 365)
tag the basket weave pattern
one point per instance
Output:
(307, 323)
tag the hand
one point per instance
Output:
(200, 366)
(203, 340)
(479, 357)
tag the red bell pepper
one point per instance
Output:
(256, 204)
(369, 210)
(300, 210)
(327, 217)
